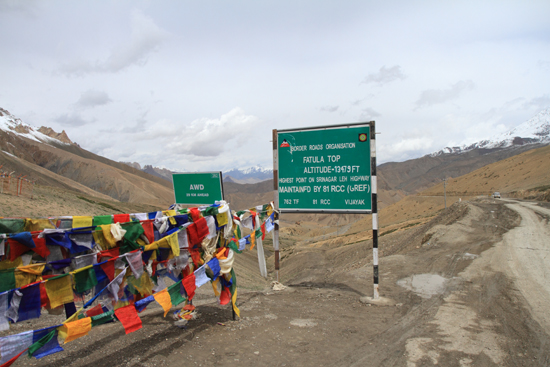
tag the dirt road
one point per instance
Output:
(457, 284)
(527, 251)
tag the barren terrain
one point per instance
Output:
(456, 284)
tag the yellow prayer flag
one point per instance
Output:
(60, 291)
(163, 299)
(174, 244)
(36, 269)
(28, 274)
(6, 264)
(234, 303)
(108, 236)
(170, 214)
(79, 221)
(32, 225)
(252, 240)
(222, 219)
(75, 329)
(215, 284)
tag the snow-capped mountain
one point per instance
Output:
(250, 175)
(14, 125)
(535, 130)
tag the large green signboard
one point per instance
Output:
(325, 169)
(198, 187)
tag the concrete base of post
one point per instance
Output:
(380, 301)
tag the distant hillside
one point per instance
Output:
(31, 151)
(529, 171)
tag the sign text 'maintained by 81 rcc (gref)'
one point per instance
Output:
(325, 169)
(197, 187)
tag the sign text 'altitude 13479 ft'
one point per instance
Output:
(325, 169)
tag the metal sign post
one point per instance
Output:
(326, 169)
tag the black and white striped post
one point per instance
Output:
(276, 204)
(374, 209)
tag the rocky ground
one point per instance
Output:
(455, 292)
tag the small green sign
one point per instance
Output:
(197, 187)
(325, 169)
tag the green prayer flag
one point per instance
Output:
(7, 279)
(175, 293)
(233, 282)
(102, 318)
(210, 211)
(133, 231)
(85, 280)
(12, 225)
(42, 341)
(233, 246)
(102, 220)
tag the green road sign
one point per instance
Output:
(197, 187)
(325, 169)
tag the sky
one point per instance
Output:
(200, 85)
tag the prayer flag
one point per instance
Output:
(174, 244)
(24, 238)
(44, 343)
(59, 290)
(214, 265)
(12, 346)
(189, 285)
(102, 220)
(109, 268)
(136, 263)
(129, 318)
(75, 329)
(40, 247)
(225, 296)
(30, 305)
(7, 280)
(200, 277)
(121, 218)
(4, 323)
(102, 318)
(84, 279)
(163, 299)
(79, 221)
(175, 291)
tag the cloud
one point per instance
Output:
(92, 98)
(539, 103)
(146, 37)
(436, 96)
(72, 119)
(330, 108)
(368, 114)
(27, 7)
(384, 76)
(405, 149)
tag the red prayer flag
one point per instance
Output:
(263, 230)
(195, 214)
(97, 310)
(10, 362)
(148, 230)
(129, 318)
(109, 268)
(114, 252)
(225, 296)
(41, 248)
(189, 285)
(16, 249)
(121, 218)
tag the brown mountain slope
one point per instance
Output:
(525, 171)
(418, 174)
(100, 174)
